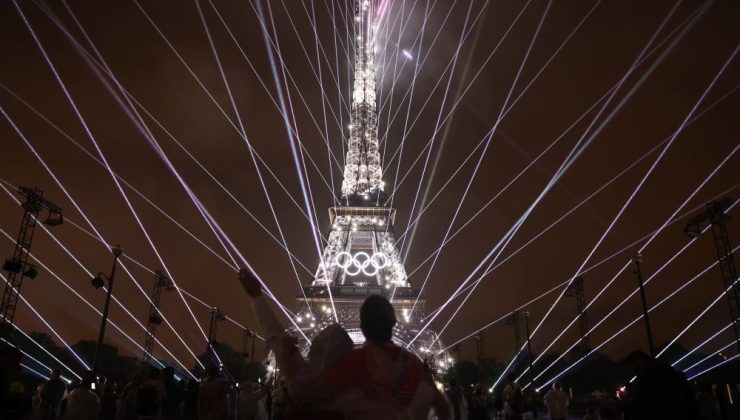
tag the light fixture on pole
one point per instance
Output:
(98, 282)
(531, 369)
(249, 335)
(637, 259)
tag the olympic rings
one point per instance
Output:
(361, 262)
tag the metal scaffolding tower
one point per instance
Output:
(513, 321)
(717, 219)
(575, 290)
(161, 281)
(17, 266)
(217, 316)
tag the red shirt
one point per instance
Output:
(384, 373)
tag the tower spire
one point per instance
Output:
(361, 248)
(362, 170)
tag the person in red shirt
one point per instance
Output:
(378, 380)
(390, 378)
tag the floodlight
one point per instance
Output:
(31, 272)
(12, 265)
(54, 219)
(117, 250)
(218, 314)
(98, 281)
(161, 278)
(155, 319)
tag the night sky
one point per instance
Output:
(197, 137)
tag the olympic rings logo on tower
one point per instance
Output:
(361, 262)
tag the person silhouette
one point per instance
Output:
(214, 394)
(51, 394)
(389, 377)
(83, 403)
(658, 391)
(338, 381)
(557, 401)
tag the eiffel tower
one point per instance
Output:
(361, 257)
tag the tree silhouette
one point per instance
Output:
(112, 365)
(235, 364)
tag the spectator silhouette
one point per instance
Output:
(10, 363)
(658, 391)
(150, 397)
(249, 402)
(128, 404)
(51, 394)
(387, 376)
(83, 403)
(108, 402)
(280, 401)
(513, 399)
(388, 380)
(213, 395)
(478, 408)
(171, 404)
(557, 401)
(708, 403)
(592, 413)
(298, 390)
(190, 401)
(457, 398)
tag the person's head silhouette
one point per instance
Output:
(377, 319)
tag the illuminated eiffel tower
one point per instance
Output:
(361, 257)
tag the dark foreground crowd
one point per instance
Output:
(335, 381)
(379, 380)
(158, 396)
(657, 392)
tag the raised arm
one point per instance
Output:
(269, 323)
(283, 345)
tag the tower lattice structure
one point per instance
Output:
(717, 217)
(513, 322)
(18, 266)
(361, 257)
(161, 281)
(575, 290)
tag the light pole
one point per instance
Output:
(253, 335)
(98, 282)
(531, 369)
(637, 259)
(249, 335)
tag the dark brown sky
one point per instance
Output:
(590, 63)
